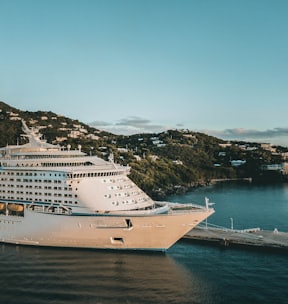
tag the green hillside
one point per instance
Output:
(163, 163)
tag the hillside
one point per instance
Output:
(163, 163)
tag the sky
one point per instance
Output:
(132, 66)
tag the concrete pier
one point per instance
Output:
(255, 237)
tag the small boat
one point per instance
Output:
(15, 207)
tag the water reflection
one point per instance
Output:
(43, 275)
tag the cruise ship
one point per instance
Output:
(55, 196)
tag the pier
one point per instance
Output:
(254, 238)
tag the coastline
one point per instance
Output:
(219, 180)
(176, 189)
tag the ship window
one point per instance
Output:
(128, 223)
(117, 240)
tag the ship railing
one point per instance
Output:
(189, 207)
(216, 227)
(50, 209)
(160, 209)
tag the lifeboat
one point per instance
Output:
(2, 206)
(15, 207)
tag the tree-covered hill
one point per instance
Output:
(163, 163)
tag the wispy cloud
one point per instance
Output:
(128, 126)
(137, 125)
(275, 136)
(99, 123)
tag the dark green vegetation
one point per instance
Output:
(168, 162)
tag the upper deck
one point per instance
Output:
(37, 155)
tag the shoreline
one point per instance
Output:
(163, 193)
(219, 180)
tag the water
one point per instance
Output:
(248, 205)
(187, 273)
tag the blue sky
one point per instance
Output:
(219, 67)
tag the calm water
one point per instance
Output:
(187, 273)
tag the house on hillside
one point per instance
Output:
(237, 163)
(273, 167)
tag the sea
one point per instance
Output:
(187, 273)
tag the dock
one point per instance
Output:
(254, 238)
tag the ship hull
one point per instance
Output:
(156, 232)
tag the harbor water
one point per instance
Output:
(186, 273)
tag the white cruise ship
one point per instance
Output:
(50, 196)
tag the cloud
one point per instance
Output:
(137, 125)
(99, 123)
(129, 126)
(274, 136)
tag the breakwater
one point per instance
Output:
(255, 237)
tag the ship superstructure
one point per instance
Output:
(50, 196)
